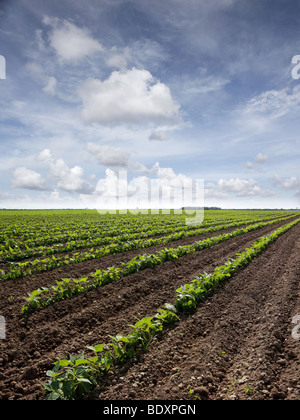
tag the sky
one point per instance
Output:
(149, 103)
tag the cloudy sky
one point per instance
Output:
(106, 97)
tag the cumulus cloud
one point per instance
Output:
(28, 179)
(261, 158)
(163, 189)
(68, 179)
(288, 184)
(159, 136)
(71, 180)
(237, 186)
(242, 187)
(292, 183)
(108, 155)
(128, 97)
(70, 42)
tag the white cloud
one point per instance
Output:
(264, 112)
(144, 53)
(292, 183)
(147, 53)
(70, 42)
(45, 155)
(68, 179)
(37, 72)
(108, 155)
(261, 158)
(28, 179)
(242, 187)
(225, 189)
(39, 40)
(211, 192)
(164, 189)
(289, 184)
(202, 85)
(71, 179)
(159, 136)
(169, 177)
(128, 97)
(6, 197)
(274, 103)
(51, 85)
(118, 59)
(239, 186)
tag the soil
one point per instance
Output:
(238, 344)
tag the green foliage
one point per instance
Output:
(70, 287)
(23, 246)
(73, 378)
(189, 295)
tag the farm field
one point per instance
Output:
(74, 279)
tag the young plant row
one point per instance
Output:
(191, 294)
(66, 288)
(22, 269)
(66, 227)
(74, 378)
(24, 251)
(66, 231)
(18, 254)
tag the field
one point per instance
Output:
(113, 307)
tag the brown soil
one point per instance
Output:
(237, 345)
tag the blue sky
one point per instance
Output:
(106, 96)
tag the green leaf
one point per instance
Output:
(64, 363)
(144, 321)
(53, 396)
(74, 358)
(81, 362)
(85, 380)
(68, 389)
(170, 307)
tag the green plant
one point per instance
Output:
(189, 297)
(190, 294)
(74, 381)
(232, 384)
(248, 390)
(74, 377)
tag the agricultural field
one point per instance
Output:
(147, 307)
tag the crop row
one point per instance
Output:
(25, 268)
(17, 254)
(83, 237)
(64, 226)
(21, 269)
(66, 287)
(75, 377)
(191, 294)
(56, 229)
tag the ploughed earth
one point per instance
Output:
(241, 343)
